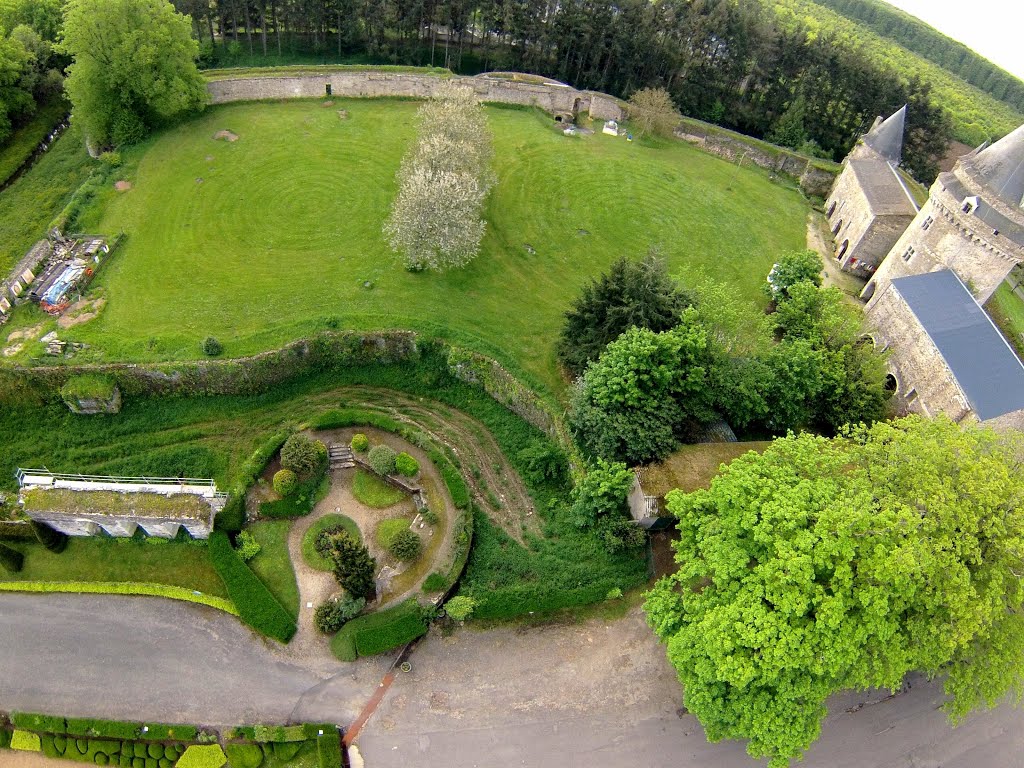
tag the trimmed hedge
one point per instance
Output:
(33, 721)
(244, 755)
(111, 729)
(328, 749)
(232, 517)
(257, 607)
(121, 588)
(202, 756)
(380, 632)
(25, 740)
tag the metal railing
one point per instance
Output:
(202, 482)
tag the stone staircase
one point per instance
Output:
(341, 457)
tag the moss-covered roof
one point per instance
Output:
(61, 500)
(692, 467)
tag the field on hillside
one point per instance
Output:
(277, 234)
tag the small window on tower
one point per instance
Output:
(927, 222)
(909, 253)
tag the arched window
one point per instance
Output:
(831, 209)
(869, 291)
(892, 384)
(842, 249)
(837, 227)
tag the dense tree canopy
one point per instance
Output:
(827, 564)
(631, 294)
(134, 67)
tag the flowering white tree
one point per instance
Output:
(435, 221)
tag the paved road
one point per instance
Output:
(599, 693)
(603, 694)
(162, 660)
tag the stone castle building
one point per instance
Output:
(924, 298)
(870, 205)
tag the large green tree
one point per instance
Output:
(134, 67)
(823, 565)
(637, 399)
(633, 293)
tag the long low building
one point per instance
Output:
(89, 505)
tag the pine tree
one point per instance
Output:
(353, 566)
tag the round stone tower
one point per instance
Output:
(972, 224)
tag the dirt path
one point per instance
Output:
(12, 758)
(495, 485)
(818, 240)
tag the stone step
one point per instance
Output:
(342, 464)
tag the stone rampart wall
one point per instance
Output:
(551, 97)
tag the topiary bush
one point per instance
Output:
(331, 615)
(244, 755)
(247, 548)
(360, 443)
(460, 607)
(406, 465)
(208, 756)
(303, 455)
(212, 347)
(406, 545)
(381, 459)
(285, 482)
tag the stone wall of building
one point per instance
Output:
(84, 524)
(943, 236)
(925, 383)
(862, 238)
(551, 97)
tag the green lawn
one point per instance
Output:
(313, 558)
(1007, 309)
(260, 241)
(374, 492)
(273, 564)
(20, 146)
(28, 206)
(105, 559)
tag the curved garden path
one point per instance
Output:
(315, 586)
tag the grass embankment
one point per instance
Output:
(20, 146)
(28, 206)
(374, 492)
(154, 561)
(313, 558)
(273, 564)
(1007, 309)
(290, 217)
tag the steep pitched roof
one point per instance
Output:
(886, 138)
(986, 369)
(1002, 166)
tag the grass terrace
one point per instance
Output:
(278, 234)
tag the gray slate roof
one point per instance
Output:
(886, 138)
(987, 370)
(1009, 229)
(1002, 166)
(883, 190)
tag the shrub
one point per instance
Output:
(112, 159)
(303, 455)
(613, 594)
(406, 465)
(285, 482)
(430, 516)
(460, 607)
(277, 733)
(257, 607)
(247, 548)
(381, 459)
(388, 529)
(360, 443)
(331, 615)
(11, 559)
(379, 632)
(244, 755)
(286, 750)
(435, 582)
(26, 741)
(406, 545)
(307, 493)
(199, 756)
(328, 749)
(212, 347)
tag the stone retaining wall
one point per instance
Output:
(550, 96)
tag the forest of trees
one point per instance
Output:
(916, 36)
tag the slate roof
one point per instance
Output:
(886, 138)
(884, 191)
(984, 365)
(1002, 167)
(1009, 229)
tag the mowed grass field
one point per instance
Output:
(276, 235)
